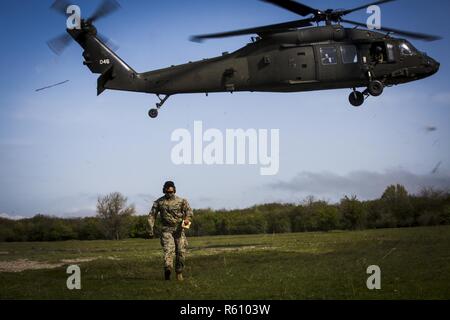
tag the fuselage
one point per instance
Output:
(319, 58)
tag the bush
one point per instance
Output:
(398, 211)
(278, 222)
(444, 217)
(139, 227)
(247, 224)
(352, 213)
(205, 223)
(327, 218)
(89, 229)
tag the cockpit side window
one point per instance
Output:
(405, 49)
(328, 55)
(349, 54)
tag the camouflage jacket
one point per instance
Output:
(171, 211)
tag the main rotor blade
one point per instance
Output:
(273, 28)
(409, 34)
(106, 8)
(376, 3)
(60, 6)
(293, 6)
(60, 43)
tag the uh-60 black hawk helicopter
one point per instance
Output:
(287, 57)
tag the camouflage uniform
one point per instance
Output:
(172, 212)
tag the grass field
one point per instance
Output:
(415, 264)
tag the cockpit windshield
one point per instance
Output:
(407, 49)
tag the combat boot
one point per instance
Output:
(180, 276)
(167, 274)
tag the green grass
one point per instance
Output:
(415, 264)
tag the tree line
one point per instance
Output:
(116, 219)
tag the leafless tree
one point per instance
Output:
(112, 209)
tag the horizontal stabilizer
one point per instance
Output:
(103, 80)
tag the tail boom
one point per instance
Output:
(115, 74)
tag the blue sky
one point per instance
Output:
(62, 148)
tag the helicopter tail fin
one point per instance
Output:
(115, 74)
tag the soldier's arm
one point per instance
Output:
(152, 216)
(187, 211)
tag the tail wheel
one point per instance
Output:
(375, 88)
(153, 113)
(356, 98)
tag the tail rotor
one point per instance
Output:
(60, 43)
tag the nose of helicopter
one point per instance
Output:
(436, 66)
(432, 66)
(428, 67)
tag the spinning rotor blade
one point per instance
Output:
(105, 9)
(60, 43)
(345, 12)
(409, 34)
(293, 6)
(257, 30)
(60, 6)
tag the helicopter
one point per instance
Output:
(295, 56)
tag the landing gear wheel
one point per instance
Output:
(356, 98)
(153, 113)
(375, 88)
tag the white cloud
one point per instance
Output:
(10, 217)
(364, 184)
(78, 213)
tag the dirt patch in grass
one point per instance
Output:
(114, 258)
(74, 261)
(25, 264)
(211, 250)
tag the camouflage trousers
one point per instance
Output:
(174, 244)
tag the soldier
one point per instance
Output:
(379, 54)
(176, 216)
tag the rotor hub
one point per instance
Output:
(88, 27)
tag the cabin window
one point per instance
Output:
(349, 54)
(405, 49)
(328, 55)
(390, 52)
(378, 52)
